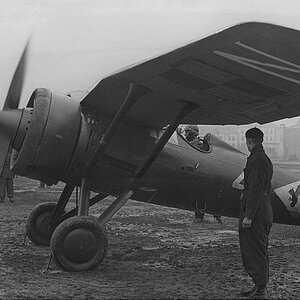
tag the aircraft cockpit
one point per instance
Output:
(181, 136)
(191, 135)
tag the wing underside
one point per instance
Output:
(244, 74)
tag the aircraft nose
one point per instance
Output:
(9, 122)
(11, 116)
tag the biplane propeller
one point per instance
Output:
(121, 139)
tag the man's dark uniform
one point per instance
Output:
(255, 205)
(6, 179)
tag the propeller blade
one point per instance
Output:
(4, 142)
(15, 89)
(9, 122)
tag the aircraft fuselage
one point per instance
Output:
(62, 138)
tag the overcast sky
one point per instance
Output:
(75, 43)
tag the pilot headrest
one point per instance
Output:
(254, 133)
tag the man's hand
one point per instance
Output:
(246, 223)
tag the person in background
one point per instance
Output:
(199, 216)
(256, 215)
(6, 179)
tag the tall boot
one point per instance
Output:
(248, 293)
(261, 292)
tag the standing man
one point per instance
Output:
(256, 215)
(6, 179)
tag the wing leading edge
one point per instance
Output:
(244, 74)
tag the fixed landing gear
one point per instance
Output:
(79, 244)
(38, 226)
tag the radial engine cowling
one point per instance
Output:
(47, 135)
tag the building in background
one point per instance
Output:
(281, 143)
(235, 136)
(292, 142)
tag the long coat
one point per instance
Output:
(256, 206)
(6, 171)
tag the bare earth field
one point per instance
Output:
(154, 253)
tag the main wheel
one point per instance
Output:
(37, 225)
(79, 244)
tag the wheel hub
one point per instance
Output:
(80, 245)
(42, 224)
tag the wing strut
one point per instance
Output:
(135, 92)
(122, 199)
(186, 109)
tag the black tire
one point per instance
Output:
(37, 224)
(79, 244)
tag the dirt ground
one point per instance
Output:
(154, 253)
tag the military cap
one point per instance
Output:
(254, 133)
(191, 127)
